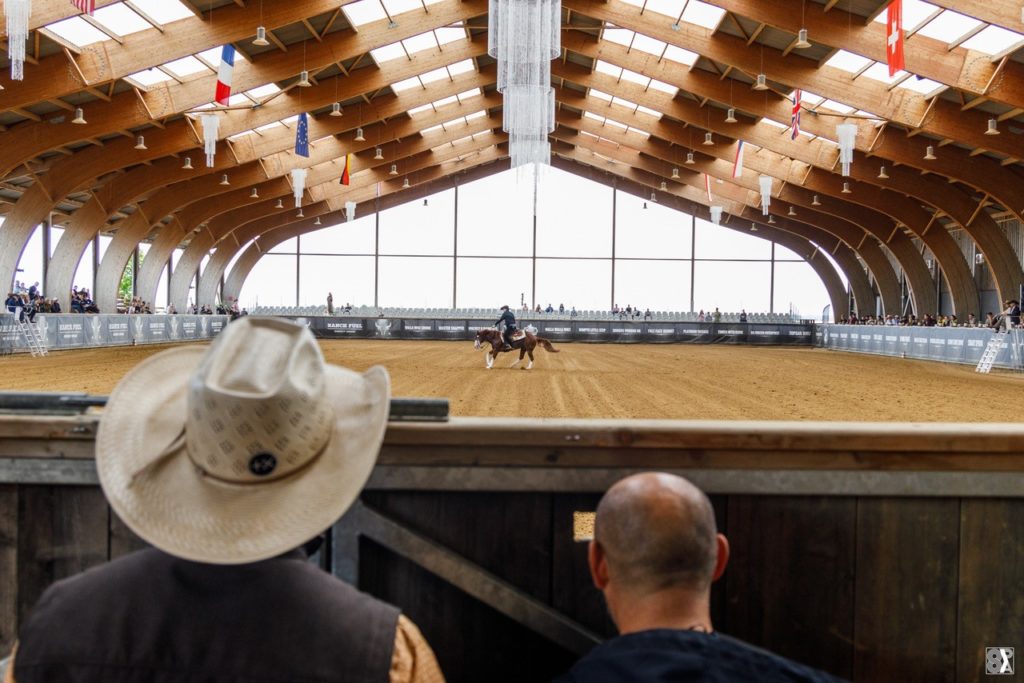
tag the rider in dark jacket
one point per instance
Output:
(509, 319)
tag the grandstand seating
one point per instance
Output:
(459, 313)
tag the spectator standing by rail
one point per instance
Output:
(330, 304)
(654, 555)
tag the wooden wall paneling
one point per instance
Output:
(790, 581)
(991, 590)
(8, 568)
(572, 591)
(906, 590)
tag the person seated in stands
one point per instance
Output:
(28, 309)
(221, 310)
(654, 555)
(572, 313)
(226, 592)
(171, 310)
(716, 316)
(1011, 314)
(647, 314)
(743, 316)
(561, 308)
(971, 320)
(348, 307)
(549, 309)
(33, 292)
(700, 316)
(55, 305)
(13, 305)
(537, 309)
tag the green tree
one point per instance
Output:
(124, 292)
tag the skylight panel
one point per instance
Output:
(77, 32)
(239, 100)
(880, 72)
(468, 94)
(703, 14)
(609, 69)
(435, 75)
(994, 40)
(451, 99)
(600, 94)
(811, 99)
(650, 112)
(449, 34)
(663, 87)
(637, 131)
(678, 54)
(669, 8)
(426, 131)
(648, 45)
(407, 84)
(837, 106)
(465, 66)
(424, 41)
(421, 108)
(399, 6)
(949, 26)
(475, 115)
(121, 19)
(588, 115)
(388, 52)
(264, 91)
(616, 124)
(624, 103)
(164, 11)
(634, 77)
(914, 12)
(364, 12)
(847, 61)
(774, 124)
(149, 77)
(186, 66)
(619, 36)
(925, 86)
(212, 56)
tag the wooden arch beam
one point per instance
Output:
(940, 118)
(1005, 13)
(124, 112)
(959, 68)
(110, 60)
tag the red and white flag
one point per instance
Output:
(894, 37)
(87, 6)
(225, 74)
(737, 166)
(795, 120)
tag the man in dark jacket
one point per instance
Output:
(226, 461)
(507, 318)
(654, 556)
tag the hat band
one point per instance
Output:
(258, 482)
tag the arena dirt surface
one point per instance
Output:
(623, 381)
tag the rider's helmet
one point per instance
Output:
(504, 308)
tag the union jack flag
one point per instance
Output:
(795, 121)
(87, 6)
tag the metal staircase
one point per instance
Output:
(35, 341)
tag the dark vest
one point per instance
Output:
(153, 618)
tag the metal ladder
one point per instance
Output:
(988, 357)
(36, 343)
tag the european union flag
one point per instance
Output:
(302, 136)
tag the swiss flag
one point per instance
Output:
(894, 37)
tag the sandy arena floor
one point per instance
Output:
(624, 381)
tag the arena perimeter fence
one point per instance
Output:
(947, 344)
(66, 331)
(879, 552)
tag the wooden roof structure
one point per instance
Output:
(644, 89)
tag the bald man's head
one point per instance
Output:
(657, 531)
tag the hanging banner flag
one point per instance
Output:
(17, 13)
(707, 186)
(87, 6)
(765, 184)
(894, 37)
(795, 120)
(737, 166)
(346, 175)
(225, 75)
(302, 136)
(299, 184)
(211, 129)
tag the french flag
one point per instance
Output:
(225, 74)
(737, 166)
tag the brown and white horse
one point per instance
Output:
(525, 346)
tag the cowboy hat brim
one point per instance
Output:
(156, 488)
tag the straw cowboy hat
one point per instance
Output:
(242, 451)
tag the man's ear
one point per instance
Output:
(598, 563)
(722, 557)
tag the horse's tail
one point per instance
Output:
(547, 345)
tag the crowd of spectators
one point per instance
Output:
(1009, 317)
(25, 302)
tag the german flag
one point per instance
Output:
(346, 175)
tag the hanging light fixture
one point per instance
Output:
(336, 109)
(280, 204)
(753, 228)
(524, 37)
(761, 83)
(792, 211)
(847, 135)
(815, 202)
(224, 180)
(394, 169)
(801, 40)
(764, 183)
(730, 116)
(359, 135)
(79, 119)
(993, 127)
(304, 79)
(187, 166)
(771, 220)
(140, 143)
(17, 13)
(654, 198)
(299, 184)
(709, 139)
(405, 184)
(689, 158)
(929, 153)
(664, 186)
(846, 188)
(261, 37)
(350, 211)
(254, 194)
(300, 214)
(883, 174)
(675, 174)
(317, 221)
(645, 206)
(378, 154)
(716, 215)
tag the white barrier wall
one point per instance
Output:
(66, 331)
(947, 344)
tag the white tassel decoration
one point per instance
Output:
(766, 192)
(847, 134)
(18, 13)
(299, 184)
(211, 128)
(716, 215)
(350, 211)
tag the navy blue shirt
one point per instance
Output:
(671, 656)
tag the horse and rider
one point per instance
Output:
(502, 340)
(508, 319)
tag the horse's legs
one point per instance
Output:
(489, 358)
(522, 352)
(530, 364)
